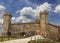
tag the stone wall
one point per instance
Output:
(53, 31)
(40, 26)
(28, 28)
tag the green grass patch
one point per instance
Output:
(42, 41)
(6, 39)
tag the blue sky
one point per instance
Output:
(27, 10)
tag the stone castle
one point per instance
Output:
(41, 27)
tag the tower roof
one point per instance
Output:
(8, 14)
(44, 12)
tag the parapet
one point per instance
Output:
(44, 12)
(8, 14)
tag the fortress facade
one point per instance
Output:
(42, 27)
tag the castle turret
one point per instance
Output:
(43, 22)
(6, 24)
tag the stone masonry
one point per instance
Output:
(41, 27)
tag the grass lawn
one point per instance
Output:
(6, 39)
(42, 41)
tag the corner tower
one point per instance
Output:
(43, 22)
(6, 24)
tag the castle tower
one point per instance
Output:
(43, 22)
(6, 24)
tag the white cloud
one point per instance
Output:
(29, 14)
(2, 7)
(22, 19)
(2, 10)
(26, 14)
(28, 11)
(1, 21)
(45, 6)
(13, 20)
(57, 9)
